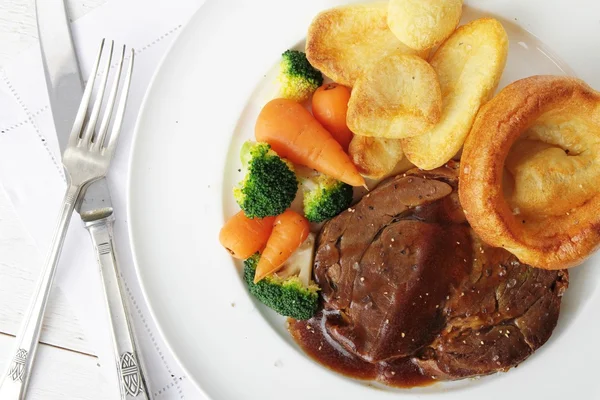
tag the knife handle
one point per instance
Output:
(130, 370)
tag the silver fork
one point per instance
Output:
(86, 159)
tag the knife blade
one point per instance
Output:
(63, 79)
(65, 90)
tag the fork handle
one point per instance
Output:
(130, 368)
(16, 377)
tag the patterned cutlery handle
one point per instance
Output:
(131, 374)
(13, 384)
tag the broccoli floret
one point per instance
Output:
(270, 184)
(298, 78)
(325, 197)
(290, 293)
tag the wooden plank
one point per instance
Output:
(18, 29)
(19, 266)
(59, 374)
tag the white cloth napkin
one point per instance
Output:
(32, 176)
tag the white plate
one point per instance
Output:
(201, 106)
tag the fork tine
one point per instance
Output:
(85, 100)
(110, 103)
(91, 125)
(116, 129)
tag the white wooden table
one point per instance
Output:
(66, 367)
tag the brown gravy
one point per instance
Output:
(313, 338)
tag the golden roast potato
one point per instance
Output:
(469, 66)
(422, 24)
(345, 41)
(375, 158)
(398, 97)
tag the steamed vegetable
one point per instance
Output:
(298, 78)
(242, 236)
(291, 292)
(270, 184)
(325, 197)
(296, 135)
(290, 230)
(330, 106)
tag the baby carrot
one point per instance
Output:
(296, 135)
(242, 236)
(290, 230)
(330, 106)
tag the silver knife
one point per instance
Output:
(65, 89)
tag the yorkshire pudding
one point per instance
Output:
(530, 171)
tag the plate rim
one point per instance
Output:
(130, 168)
